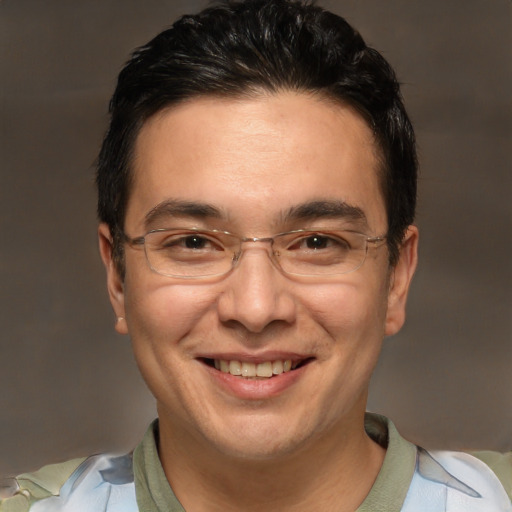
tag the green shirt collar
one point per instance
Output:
(388, 492)
(151, 486)
(394, 478)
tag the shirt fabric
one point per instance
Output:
(411, 479)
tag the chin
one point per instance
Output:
(258, 439)
(257, 449)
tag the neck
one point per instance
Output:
(332, 473)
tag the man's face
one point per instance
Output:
(252, 162)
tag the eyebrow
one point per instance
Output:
(325, 209)
(179, 208)
(312, 210)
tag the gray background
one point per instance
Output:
(68, 383)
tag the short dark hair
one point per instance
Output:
(241, 48)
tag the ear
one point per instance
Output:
(115, 283)
(400, 280)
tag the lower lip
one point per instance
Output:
(256, 389)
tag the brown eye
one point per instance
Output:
(195, 242)
(320, 241)
(317, 242)
(189, 241)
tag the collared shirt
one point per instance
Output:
(411, 479)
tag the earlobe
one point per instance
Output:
(400, 281)
(115, 283)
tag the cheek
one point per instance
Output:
(161, 313)
(161, 319)
(349, 310)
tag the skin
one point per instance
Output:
(253, 159)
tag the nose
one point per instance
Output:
(256, 293)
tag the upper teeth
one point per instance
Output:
(245, 369)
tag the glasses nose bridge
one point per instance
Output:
(256, 239)
(268, 241)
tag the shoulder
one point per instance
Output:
(501, 464)
(103, 482)
(456, 482)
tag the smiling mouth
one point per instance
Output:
(249, 370)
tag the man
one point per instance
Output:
(256, 197)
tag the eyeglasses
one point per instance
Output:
(193, 253)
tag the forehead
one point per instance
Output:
(253, 159)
